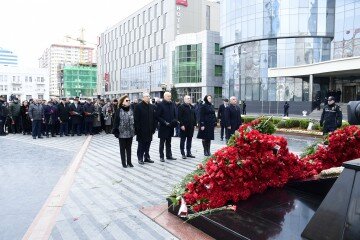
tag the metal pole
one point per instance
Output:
(150, 80)
(240, 48)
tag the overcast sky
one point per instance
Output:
(28, 27)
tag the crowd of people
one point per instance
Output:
(124, 119)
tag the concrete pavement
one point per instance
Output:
(104, 200)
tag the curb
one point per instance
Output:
(45, 220)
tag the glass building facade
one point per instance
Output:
(260, 34)
(346, 41)
(187, 64)
(8, 58)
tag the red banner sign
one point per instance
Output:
(182, 2)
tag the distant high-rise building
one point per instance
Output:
(59, 54)
(8, 58)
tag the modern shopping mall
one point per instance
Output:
(298, 51)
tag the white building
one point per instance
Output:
(8, 58)
(133, 55)
(195, 65)
(25, 83)
(63, 54)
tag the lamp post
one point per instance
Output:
(239, 53)
(150, 70)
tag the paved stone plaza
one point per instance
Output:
(105, 198)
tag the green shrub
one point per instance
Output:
(292, 123)
(304, 123)
(281, 124)
(246, 119)
(344, 124)
(276, 120)
(316, 126)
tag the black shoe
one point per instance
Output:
(190, 156)
(171, 158)
(40, 137)
(72, 135)
(53, 135)
(149, 161)
(124, 166)
(141, 162)
(34, 137)
(67, 135)
(162, 160)
(130, 165)
(183, 157)
(79, 135)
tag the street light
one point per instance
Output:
(239, 53)
(150, 70)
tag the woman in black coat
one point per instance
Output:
(207, 124)
(26, 122)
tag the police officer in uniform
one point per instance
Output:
(331, 117)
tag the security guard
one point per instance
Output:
(331, 117)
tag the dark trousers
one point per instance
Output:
(164, 141)
(49, 128)
(222, 131)
(2, 125)
(76, 127)
(88, 127)
(229, 132)
(64, 128)
(143, 151)
(36, 128)
(125, 150)
(16, 124)
(188, 145)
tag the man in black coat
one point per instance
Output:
(331, 117)
(89, 111)
(3, 116)
(187, 119)
(232, 117)
(167, 120)
(145, 125)
(76, 112)
(64, 115)
(221, 117)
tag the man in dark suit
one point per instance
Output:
(221, 117)
(89, 110)
(76, 112)
(232, 117)
(64, 115)
(167, 120)
(145, 125)
(187, 119)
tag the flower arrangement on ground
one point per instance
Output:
(254, 160)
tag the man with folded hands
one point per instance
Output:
(168, 121)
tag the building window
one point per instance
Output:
(218, 71)
(187, 64)
(218, 50)
(217, 96)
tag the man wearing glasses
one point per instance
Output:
(145, 125)
(331, 117)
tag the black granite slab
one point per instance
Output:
(274, 214)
